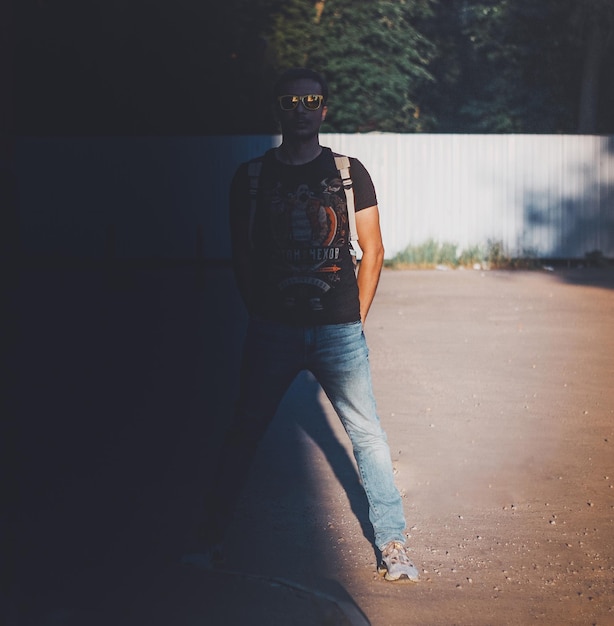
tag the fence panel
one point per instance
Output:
(548, 195)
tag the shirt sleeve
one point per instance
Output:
(364, 190)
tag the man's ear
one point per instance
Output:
(324, 112)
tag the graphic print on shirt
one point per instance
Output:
(309, 229)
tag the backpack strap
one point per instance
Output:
(343, 165)
(253, 172)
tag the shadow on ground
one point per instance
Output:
(120, 390)
(588, 276)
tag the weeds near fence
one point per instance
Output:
(433, 254)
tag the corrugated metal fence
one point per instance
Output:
(552, 196)
(547, 195)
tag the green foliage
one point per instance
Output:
(428, 254)
(505, 67)
(376, 62)
(471, 256)
(372, 55)
(495, 255)
(445, 66)
(432, 254)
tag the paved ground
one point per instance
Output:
(495, 389)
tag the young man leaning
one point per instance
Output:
(307, 306)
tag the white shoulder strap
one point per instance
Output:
(343, 165)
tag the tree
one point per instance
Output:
(492, 65)
(371, 53)
(594, 21)
(504, 66)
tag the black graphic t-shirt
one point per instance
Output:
(303, 269)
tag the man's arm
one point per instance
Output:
(370, 241)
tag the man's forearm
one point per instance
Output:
(368, 278)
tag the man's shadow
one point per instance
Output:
(311, 417)
(123, 427)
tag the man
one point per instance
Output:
(307, 308)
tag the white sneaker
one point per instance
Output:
(396, 565)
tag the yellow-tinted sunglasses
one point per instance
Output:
(312, 102)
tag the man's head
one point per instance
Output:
(300, 102)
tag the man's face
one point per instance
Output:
(300, 122)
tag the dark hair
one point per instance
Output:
(297, 73)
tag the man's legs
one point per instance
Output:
(272, 357)
(340, 362)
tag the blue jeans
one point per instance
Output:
(338, 357)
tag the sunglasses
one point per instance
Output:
(312, 102)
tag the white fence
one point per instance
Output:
(547, 195)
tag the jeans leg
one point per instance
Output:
(271, 360)
(341, 365)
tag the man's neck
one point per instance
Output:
(298, 152)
